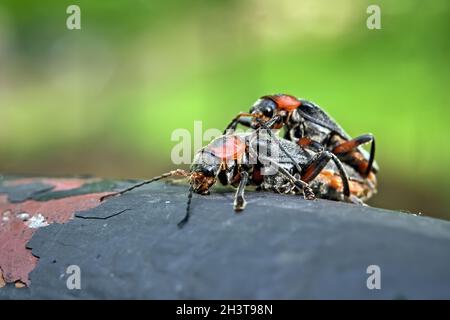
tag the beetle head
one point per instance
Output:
(264, 108)
(204, 171)
(221, 154)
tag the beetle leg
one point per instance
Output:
(347, 150)
(241, 118)
(307, 143)
(239, 201)
(318, 163)
(354, 199)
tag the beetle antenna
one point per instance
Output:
(177, 172)
(188, 209)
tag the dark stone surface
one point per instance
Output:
(279, 247)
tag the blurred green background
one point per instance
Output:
(105, 99)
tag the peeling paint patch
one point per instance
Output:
(19, 221)
(16, 261)
(67, 184)
(59, 184)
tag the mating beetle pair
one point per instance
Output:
(310, 126)
(316, 157)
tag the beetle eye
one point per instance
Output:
(268, 112)
(265, 107)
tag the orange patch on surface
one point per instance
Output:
(356, 188)
(16, 261)
(331, 179)
(334, 181)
